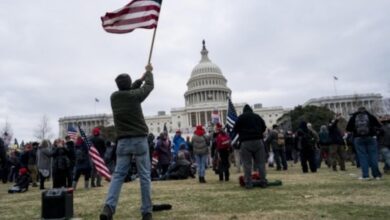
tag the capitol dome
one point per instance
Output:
(207, 85)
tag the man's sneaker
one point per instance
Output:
(364, 178)
(147, 216)
(378, 178)
(106, 214)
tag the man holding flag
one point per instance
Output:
(129, 121)
(132, 132)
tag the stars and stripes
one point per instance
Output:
(98, 162)
(72, 132)
(136, 14)
(231, 119)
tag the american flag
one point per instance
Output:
(72, 132)
(231, 119)
(95, 157)
(136, 14)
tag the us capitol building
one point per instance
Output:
(207, 96)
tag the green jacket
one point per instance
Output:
(127, 111)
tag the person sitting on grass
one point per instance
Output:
(22, 182)
(179, 170)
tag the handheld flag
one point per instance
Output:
(136, 14)
(215, 117)
(98, 162)
(72, 132)
(231, 119)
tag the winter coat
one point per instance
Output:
(374, 124)
(82, 159)
(99, 144)
(200, 145)
(272, 139)
(324, 138)
(43, 158)
(335, 136)
(249, 126)
(177, 141)
(127, 112)
(306, 138)
(23, 181)
(163, 150)
(180, 170)
(70, 146)
(61, 161)
(384, 137)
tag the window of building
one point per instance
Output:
(193, 119)
(202, 118)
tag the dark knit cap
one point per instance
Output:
(123, 81)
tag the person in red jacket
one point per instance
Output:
(223, 149)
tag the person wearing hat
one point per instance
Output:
(22, 181)
(100, 145)
(131, 131)
(178, 140)
(201, 151)
(250, 127)
(364, 127)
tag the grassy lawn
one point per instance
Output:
(324, 195)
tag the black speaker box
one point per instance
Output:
(57, 204)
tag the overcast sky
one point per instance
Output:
(55, 58)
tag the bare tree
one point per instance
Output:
(43, 130)
(6, 128)
(6, 133)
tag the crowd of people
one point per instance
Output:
(138, 154)
(63, 161)
(66, 160)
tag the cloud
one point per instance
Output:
(55, 58)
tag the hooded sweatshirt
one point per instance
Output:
(249, 126)
(126, 108)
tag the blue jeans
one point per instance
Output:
(367, 152)
(201, 160)
(125, 150)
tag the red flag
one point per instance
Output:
(136, 14)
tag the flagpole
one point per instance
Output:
(152, 45)
(154, 36)
(334, 85)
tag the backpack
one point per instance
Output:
(280, 139)
(223, 141)
(362, 124)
